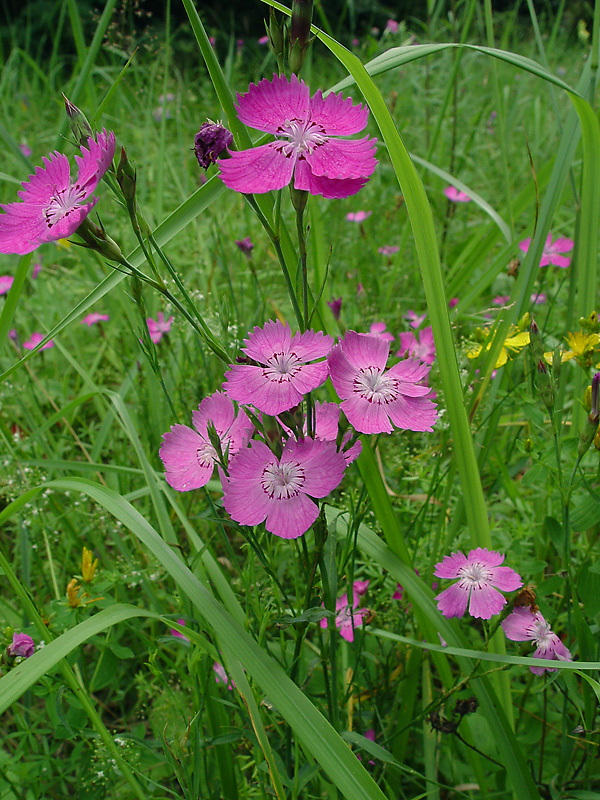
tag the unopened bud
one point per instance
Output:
(524, 322)
(211, 140)
(80, 127)
(97, 239)
(302, 11)
(126, 177)
(275, 34)
(535, 341)
(528, 446)
(299, 198)
(590, 428)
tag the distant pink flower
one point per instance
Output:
(370, 735)
(399, 593)
(6, 281)
(12, 334)
(501, 300)
(456, 196)
(414, 319)
(360, 290)
(374, 399)
(189, 456)
(388, 249)
(22, 645)
(392, 26)
(37, 268)
(552, 250)
(284, 373)
(222, 677)
(358, 216)
(262, 487)
(355, 42)
(159, 326)
(348, 617)
(453, 302)
(378, 329)
(245, 245)
(179, 634)
(263, 40)
(538, 299)
(305, 151)
(335, 304)
(419, 345)
(25, 149)
(523, 624)
(93, 318)
(478, 574)
(51, 206)
(212, 41)
(35, 339)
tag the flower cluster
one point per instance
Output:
(272, 462)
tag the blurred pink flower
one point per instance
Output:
(222, 677)
(348, 617)
(93, 318)
(389, 249)
(37, 268)
(453, 302)
(418, 344)
(392, 26)
(263, 40)
(358, 216)
(6, 281)
(552, 251)
(414, 319)
(179, 634)
(378, 329)
(25, 149)
(245, 245)
(159, 326)
(456, 196)
(35, 339)
(501, 300)
(335, 304)
(538, 299)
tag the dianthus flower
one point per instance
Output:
(304, 150)
(335, 304)
(479, 577)
(418, 345)
(389, 249)
(22, 645)
(263, 487)
(222, 677)
(348, 617)
(523, 624)
(6, 281)
(414, 319)
(178, 634)
(372, 398)
(552, 250)
(35, 339)
(159, 326)
(93, 318)
(358, 216)
(246, 246)
(378, 329)
(455, 195)
(283, 374)
(189, 456)
(327, 419)
(51, 206)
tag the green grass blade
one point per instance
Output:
(12, 299)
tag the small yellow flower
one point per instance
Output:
(581, 346)
(88, 567)
(73, 596)
(514, 342)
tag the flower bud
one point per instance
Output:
(126, 177)
(210, 141)
(275, 34)
(302, 11)
(80, 127)
(590, 427)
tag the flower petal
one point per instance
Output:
(450, 565)
(485, 601)
(330, 188)
(258, 170)
(505, 579)
(338, 117)
(179, 451)
(518, 626)
(292, 517)
(267, 105)
(341, 159)
(452, 602)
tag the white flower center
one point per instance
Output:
(540, 631)
(282, 481)
(62, 203)
(303, 136)
(206, 455)
(474, 576)
(281, 367)
(371, 385)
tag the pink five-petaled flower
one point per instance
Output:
(35, 339)
(93, 318)
(348, 617)
(478, 574)
(159, 326)
(455, 195)
(523, 624)
(378, 329)
(418, 345)
(372, 398)
(6, 281)
(283, 375)
(263, 487)
(51, 206)
(189, 456)
(552, 250)
(22, 645)
(304, 151)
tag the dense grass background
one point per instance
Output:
(134, 711)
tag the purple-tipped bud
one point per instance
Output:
(590, 428)
(595, 408)
(246, 246)
(336, 306)
(211, 140)
(80, 127)
(302, 11)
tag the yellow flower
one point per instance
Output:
(582, 347)
(88, 567)
(73, 597)
(514, 342)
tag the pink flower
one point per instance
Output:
(263, 40)
(552, 250)
(22, 645)
(523, 624)
(348, 617)
(388, 249)
(93, 318)
(189, 456)
(414, 319)
(179, 634)
(327, 418)
(478, 574)
(159, 327)
(35, 339)
(453, 302)
(222, 677)
(305, 150)
(246, 246)
(418, 345)
(335, 304)
(456, 196)
(374, 399)
(37, 268)
(392, 26)
(25, 149)
(51, 206)
(370, 735)
(538, 299)
(358, 216)
(501, 300)
(6, 281)
(263, 487)
(283, 374)
(378, 329)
